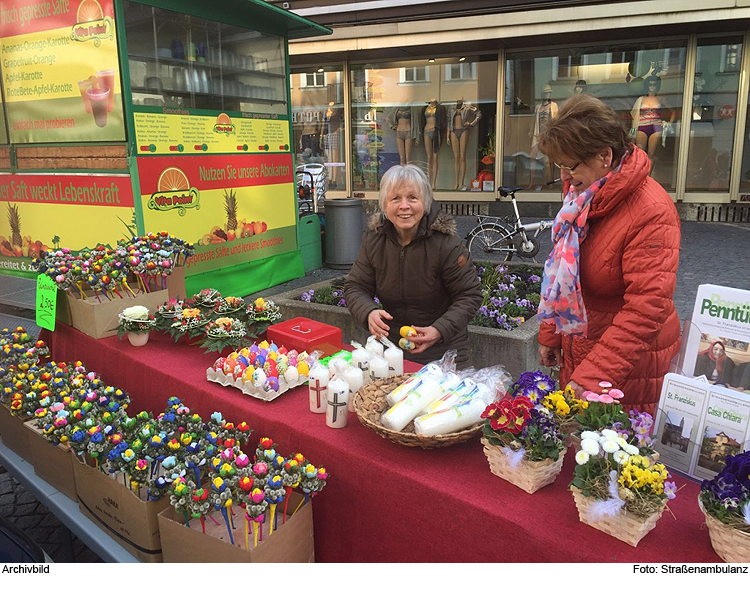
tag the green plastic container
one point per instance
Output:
(309, 242)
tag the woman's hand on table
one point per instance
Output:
(425, 338)
(376, 322)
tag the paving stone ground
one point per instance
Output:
(710, 253)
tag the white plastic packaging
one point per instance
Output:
(450, 420)
(404, 411)
(378, 367)
(466, 388)
(373, 346)
(399, 393)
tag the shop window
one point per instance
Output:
(713, 115)
(318, 127)
(442, 121)
(540, 82)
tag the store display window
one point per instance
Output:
(436, 113)
(643, 83)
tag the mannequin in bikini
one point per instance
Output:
(545, 111)
(463, 117)
(648, 123)
(405, 121)
(434, 122)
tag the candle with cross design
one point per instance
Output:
(318, 387)
(338, 397)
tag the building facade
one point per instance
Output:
(462, 88)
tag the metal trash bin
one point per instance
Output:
(343, 231)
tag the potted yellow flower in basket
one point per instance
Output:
(523, 444)
(136, 322)
(725, 501)
(565, 408)
(616, 489)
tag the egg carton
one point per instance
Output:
(214, 375)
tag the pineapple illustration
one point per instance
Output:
(14, 219)
(230, 206)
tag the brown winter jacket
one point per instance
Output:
(628, 273)
(429, 282)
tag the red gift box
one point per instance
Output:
(308, 335)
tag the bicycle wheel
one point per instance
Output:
(491, 243)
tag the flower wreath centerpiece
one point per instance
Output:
(616, 489)
(522, 443)
(260, 315)
(223, 333)
(191, 323)
(725, 501)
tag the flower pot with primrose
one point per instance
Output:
(617, 490)
(523, 444)
(725, 501)
(136, 322)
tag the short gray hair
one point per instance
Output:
(399, 175)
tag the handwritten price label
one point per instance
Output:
(46, 302)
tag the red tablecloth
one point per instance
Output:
(385, 502)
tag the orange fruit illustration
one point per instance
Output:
(172, 179)
(89, 10)
(223, 119)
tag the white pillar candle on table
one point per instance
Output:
(464, 389)
(395, 358)
(401, 413)
(373, 346)
(361, 359)
(450, 420)
(336, 408)
(318, 387)
(355, 378)
(401, 391)
(378, 367)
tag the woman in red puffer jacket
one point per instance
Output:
(607, 311)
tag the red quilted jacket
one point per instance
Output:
(628, 272)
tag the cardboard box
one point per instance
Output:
(291, 542)
(308, 335)
(15, 435)
(98, 318)
(52, 463)
(122, 515)
(176, 283)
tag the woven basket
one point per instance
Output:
(529, 476)
(624, 526)
(732, 545)
(370, 403)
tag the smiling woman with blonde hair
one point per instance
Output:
(607, 311)
(414, 263)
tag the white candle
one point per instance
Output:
(361, 358)
(356, 379)
(450, 420)
(378, 367)
(400, 392)
(318, 388)
(466, 388)
(373, 346)
(338, 396)
(401, 413)
(395, 358)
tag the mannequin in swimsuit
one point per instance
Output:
(404, 121)
(647, 117)
(434, 123)
(463, 117)
(544, 112)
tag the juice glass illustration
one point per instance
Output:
(83, 87)
(99, 101)
(107, 78)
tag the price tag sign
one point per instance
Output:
(46, 302)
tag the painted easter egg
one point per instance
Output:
(406, 345)
(259, 377)
(302, 368)
(272, 383)
(407, 331)
(291, 375)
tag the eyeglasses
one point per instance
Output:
(569, 168)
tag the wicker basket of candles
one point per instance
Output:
(370, 403)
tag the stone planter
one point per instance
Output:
(516, 350)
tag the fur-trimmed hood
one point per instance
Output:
(435, 221)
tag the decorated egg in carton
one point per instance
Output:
(256, 370)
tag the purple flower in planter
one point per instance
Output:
(534, 279)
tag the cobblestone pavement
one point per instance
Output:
(710, 253)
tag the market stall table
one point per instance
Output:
(385, 502)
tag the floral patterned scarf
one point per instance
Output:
(562, 300)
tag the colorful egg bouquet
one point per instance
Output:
(143, 263)
(263, 370)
